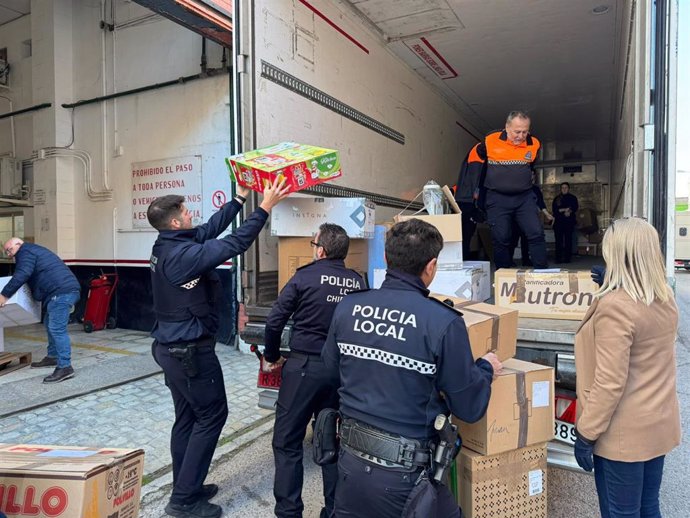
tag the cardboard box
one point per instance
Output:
(21, 309)
(556, 294)
(520, 412)
(295, 252)
(586, 220)
(302, 166)
(70, 482)
(449, 225)
(490, 328)
(450, 257)
(462, 282)
(301, 217)
(507, 485)
(484, 288)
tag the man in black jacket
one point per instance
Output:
(52, 283)
(396, 351)
(309, 297)
(185, 289)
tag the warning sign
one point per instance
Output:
(219, 198)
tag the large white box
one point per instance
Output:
(301, 217)
(485, 281)
(465, 283)
(21, 309)
(451, 255)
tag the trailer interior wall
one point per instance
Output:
(629, 179)
(366, 76)
(74, 59)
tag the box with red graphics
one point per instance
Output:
(69, 482)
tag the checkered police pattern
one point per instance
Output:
(394, 360)
(191, 284)
(509, 162)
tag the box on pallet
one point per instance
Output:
(301, 217)
(508, 485)
(557, 294)
(449, 225)
(69, 482)
(301, 165)
(520, 411)
(21, 309)
(490, 328)
(295, 252)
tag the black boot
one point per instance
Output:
(60, 374)
(48, 361)
(199, 509)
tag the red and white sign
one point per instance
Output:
(166, 176)
(431, 57)
(218, 199)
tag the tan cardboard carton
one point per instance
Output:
(520, 411)
(507, 485)
(490, 328)
(558, 294)
(449, 225)
(295, 252)
(69, 482)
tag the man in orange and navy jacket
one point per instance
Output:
(498, 175)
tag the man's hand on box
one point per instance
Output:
(3, 301)
(495, 363)
(274, 193)
(243, 191)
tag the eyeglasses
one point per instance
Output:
(9, 249)
(316, 243)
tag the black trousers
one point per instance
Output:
(305, 390)
(524, 245)
(468, 228)
(564, 242)
(201, 408)
(501, 211)
(366, 490)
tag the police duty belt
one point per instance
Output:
(382, 448)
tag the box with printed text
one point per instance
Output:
(301, 217)
(70, 482)
(520, 412)
(301, 165)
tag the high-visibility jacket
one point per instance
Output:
(507, 168)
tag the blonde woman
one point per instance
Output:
(628, 416)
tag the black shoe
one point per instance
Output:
(208, 491)
(58, 374)
(48, 361)
(199, 509)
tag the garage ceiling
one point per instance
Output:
(558, 59)
(12, 9)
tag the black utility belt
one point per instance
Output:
(298, 355)
(200, 343)
(383, 448)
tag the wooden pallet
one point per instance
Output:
(12, 361)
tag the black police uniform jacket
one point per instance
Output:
(396, 350)
(310, 297)
(183, 277)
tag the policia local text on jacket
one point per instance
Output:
(310, 297)
(504, 171)
(185, 292)
(396, 350)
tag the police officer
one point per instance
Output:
(506, 159)
(310, 298)
(396, 350)
(185, 291)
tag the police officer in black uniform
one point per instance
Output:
(396, 350)
(310, 298)
(185, 289)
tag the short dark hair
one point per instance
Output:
(565, 183)
(334, 240)
(411, 244)
(164, 209)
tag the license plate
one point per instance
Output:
(564, 432)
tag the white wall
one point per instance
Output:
(74, 59)
(289, 36)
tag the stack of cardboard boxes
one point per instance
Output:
(454, 277)
(501, 469)
(296, 221)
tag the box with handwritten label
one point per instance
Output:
(520, 412)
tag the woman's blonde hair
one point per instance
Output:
(634, 262)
